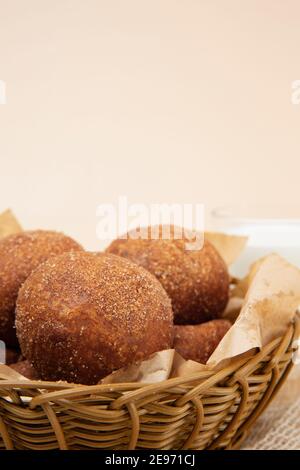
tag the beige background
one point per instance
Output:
(162, 101)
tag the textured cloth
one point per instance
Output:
(279, 426)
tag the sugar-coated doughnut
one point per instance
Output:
(20, 254)
(82, 315)
(198, 342)
(196, 281)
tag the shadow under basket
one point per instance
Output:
(207, 410)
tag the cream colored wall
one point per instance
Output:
(162, 101)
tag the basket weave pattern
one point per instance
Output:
(207, 410)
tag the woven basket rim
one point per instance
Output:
(248, 385)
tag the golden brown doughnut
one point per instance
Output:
(196, 281)
(20, 254)
(26, 369)
(82, 315)
(198, 342)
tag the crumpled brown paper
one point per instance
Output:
(8, 224)
(229, 246)
(270, 305)
(156, 368)
(242, 285)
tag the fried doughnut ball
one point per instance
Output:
(26, 369)
(20, 254)
(196, 281)
(82, 315)
(198, 342)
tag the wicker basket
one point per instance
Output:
(207, 410)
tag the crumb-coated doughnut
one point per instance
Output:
(26, 369)
(20, 254)
(82, 315)
(198, 342)
(196, 281)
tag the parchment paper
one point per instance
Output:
(229, 246)
(8, 224)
